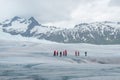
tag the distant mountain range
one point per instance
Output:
(96, 33)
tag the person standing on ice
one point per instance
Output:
(78, 53)
(57, 53)
(65, 52)
(85, 53)
(60, 53)
(54, 53)
(75, 53)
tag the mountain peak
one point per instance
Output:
(15, 18)
(34, 21)
(31, 18)
(81, 24)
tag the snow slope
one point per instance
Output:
(6, 37)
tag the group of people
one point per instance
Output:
(64, 53)
(77, 53)
(56, 53)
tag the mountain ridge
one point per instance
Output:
(96, 33)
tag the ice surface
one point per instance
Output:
(30, 60)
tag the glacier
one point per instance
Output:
(33, 60)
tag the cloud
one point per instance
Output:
(114, 3)
(46, 10)
(65, 13)
(94, 11)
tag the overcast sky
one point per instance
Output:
(62, 13)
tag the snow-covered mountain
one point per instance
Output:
(96, 33)
(26, 27)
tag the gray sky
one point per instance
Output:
(62, 13)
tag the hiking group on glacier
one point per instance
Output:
(65, 53)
